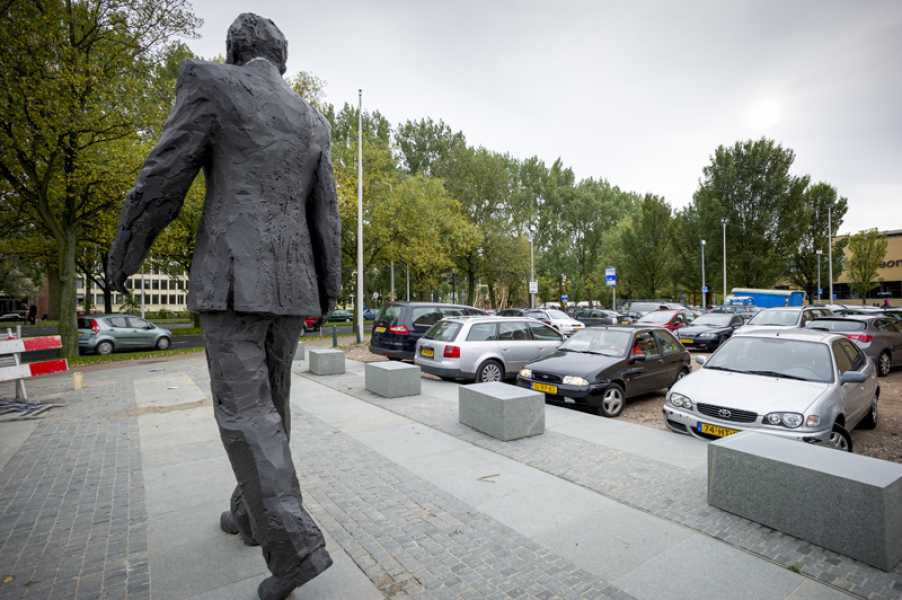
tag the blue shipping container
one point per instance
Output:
(772, 298)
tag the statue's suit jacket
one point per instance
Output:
(269, 240)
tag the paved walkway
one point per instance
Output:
(118, 495)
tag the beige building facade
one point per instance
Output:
(889, 285)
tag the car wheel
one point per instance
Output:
(104, 348)
(871, 419)
(884, 364)
(490, 370)
(840, 439)
(612, 401)
(163, 343)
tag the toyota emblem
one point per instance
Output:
(726, 413)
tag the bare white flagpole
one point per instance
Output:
(359, 216)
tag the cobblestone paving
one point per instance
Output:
(412, 539)
(660, 489)
(72, 515)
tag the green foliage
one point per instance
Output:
(866, 251)
(817, 201)
(646, 260)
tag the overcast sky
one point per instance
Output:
(638, 93)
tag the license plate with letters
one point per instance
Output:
(715, 430)
(427, 352)
(686, 341)
(544, 387)
(380, 330)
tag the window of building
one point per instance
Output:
(155, 299)
(173, 299)
(155, 284)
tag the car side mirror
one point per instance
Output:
(853, 377)
(701, 360)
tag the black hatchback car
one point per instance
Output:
(399, 325)
(601, 367)
(710, 330)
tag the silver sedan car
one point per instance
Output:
(484, 348)
(879, 337)
(808, 385)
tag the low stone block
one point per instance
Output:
(392, 379)
(301, 353)
(326, 361)
(847, 503)
(505, 412)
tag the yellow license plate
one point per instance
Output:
(544, 387)
(427, 352)
(686, 341)
(716, 430)
(380, 330)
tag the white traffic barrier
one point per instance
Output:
(14, 346)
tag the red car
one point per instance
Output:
(669, 319)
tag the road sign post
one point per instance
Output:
(610, 280)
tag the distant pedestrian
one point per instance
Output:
(32, 314)
(886, 303)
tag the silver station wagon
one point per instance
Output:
(808, 385)
(484, 348)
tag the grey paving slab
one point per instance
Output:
(811, 590)
(167, 390)
(12, 435)
(172, 487)
(725, 573)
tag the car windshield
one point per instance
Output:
(557, 314)
(774, 357)
(775, 317)
(837, 325)
(598, 341)
(716, 319)
(662, 316)
(443, 331)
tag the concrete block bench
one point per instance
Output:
(392, 379)
(847, 503)
(505, 412)
(301, 353)
(326, 361)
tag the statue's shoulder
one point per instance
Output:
(201, 73)
(320, 122)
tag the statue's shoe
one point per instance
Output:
(279, 588)
(227, 524)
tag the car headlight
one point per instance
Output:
(680, 401)
(786, 419)
(573, 380)
(707, 335)
(526, 373)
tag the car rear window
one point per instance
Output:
(775, 317)
(836, 325)
(443, 331)
(389, 314)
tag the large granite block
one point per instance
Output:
(326, 361)
(392, 379)
(505, 412)
(301, 353)
(848, 503)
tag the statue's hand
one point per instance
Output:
(117, 282)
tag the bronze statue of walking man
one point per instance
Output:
(268, 254)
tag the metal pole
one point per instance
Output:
(724, 223)
(830, 254)
(392, 294)
(359, 216)
(613, 297)
(142, 295)
(819, 274)
(408, 282)
(532, 272)
(704, 295)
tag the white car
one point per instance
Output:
(557, 319)
(807, 385)
(784, 318)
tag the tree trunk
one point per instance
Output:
(67, 326)
(89, 295)
(471, 283)
(492, 299)
(53, 291)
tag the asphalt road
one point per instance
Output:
(178, 341)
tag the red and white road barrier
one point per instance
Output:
(20, 371)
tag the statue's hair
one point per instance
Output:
(251, 36)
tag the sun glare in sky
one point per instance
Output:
(763, 114)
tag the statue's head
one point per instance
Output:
(252, 36)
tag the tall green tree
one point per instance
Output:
(750, 184)
(817, 201)
(423, 143)
(867, 249)
(76, 79)
(646, 258)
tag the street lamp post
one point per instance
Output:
(723, 223)
(704, 293)
(359, 301)
(819, 252)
